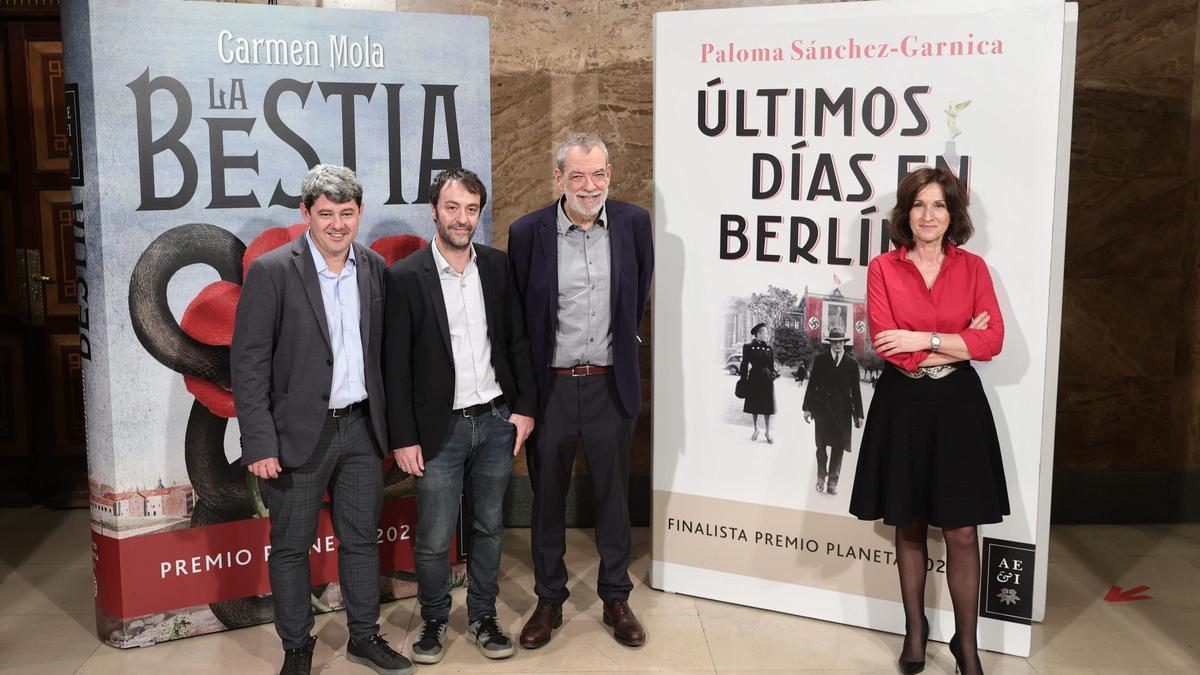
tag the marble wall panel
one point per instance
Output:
(530, 114)
(1128, 373)
(1122, 130)
(529, 36)
(1123, 228)
(627, 26)
(1185, 430)
(625, 119)
(1116, 423)
(1114, 329)
(1118, 38)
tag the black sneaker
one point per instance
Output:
(491, 640)
(298, 661)
(374, 653)
(430, 645)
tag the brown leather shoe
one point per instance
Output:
(541, 624)
(626, 628)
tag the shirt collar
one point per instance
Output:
(319, 259)
(901, 254)
(564, 223)
(440, 260)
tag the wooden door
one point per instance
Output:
(42, 455)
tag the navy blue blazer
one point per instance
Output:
(533, 250)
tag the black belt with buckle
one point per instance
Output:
(478, 409)
(342, 412)
(582, 370)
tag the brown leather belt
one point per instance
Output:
(342, 412)
(582, 370)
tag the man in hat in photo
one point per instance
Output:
(832, 398)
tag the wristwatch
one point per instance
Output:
(935, 341)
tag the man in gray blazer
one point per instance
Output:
(309, 395)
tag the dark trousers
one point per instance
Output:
(346, 463)
(477, 455)
(581, 409)
(829, 465)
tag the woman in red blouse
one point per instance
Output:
(929, 453)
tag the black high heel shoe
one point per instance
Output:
(959, 661)
(914, 667)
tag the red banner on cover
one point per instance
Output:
(152, 573)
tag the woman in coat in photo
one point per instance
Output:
(758, 379)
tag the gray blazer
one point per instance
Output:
(281, 358)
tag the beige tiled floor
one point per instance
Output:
(47, 624)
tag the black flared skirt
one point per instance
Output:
(930, 453)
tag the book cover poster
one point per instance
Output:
(780, 137)
(193, 124)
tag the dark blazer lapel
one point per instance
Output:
(616, 244)
(303, 261)
(493, 298)
(433, 288)
(548, 239)
(364, 272)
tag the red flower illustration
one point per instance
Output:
(209, 317)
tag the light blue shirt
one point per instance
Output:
(339, 295)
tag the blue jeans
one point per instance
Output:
(478, 453)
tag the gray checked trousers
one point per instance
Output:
(345, 461)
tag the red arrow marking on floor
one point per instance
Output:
(1115, 594)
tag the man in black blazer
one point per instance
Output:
(832, 398)
(583, 266)
(461, 400)
(310, 401)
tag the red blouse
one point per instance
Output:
(897, 298)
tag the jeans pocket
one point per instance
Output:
(502, 411)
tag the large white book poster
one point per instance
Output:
(780, 136)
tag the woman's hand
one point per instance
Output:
(980, 322)
(898, 341)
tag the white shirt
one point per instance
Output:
(474, 378)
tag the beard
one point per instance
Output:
(454, 238)
(587, 211)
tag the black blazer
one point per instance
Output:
(281, 358)
(533, 247)
(417, 358)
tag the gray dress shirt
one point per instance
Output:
(584, 332)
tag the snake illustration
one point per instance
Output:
(223, 491)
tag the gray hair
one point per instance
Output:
(337, 183)
(583, 141)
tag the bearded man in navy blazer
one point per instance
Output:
(583, 267)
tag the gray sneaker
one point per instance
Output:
(491, 640)
(375, 653)
(430, 646)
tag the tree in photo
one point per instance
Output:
(773, 306)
